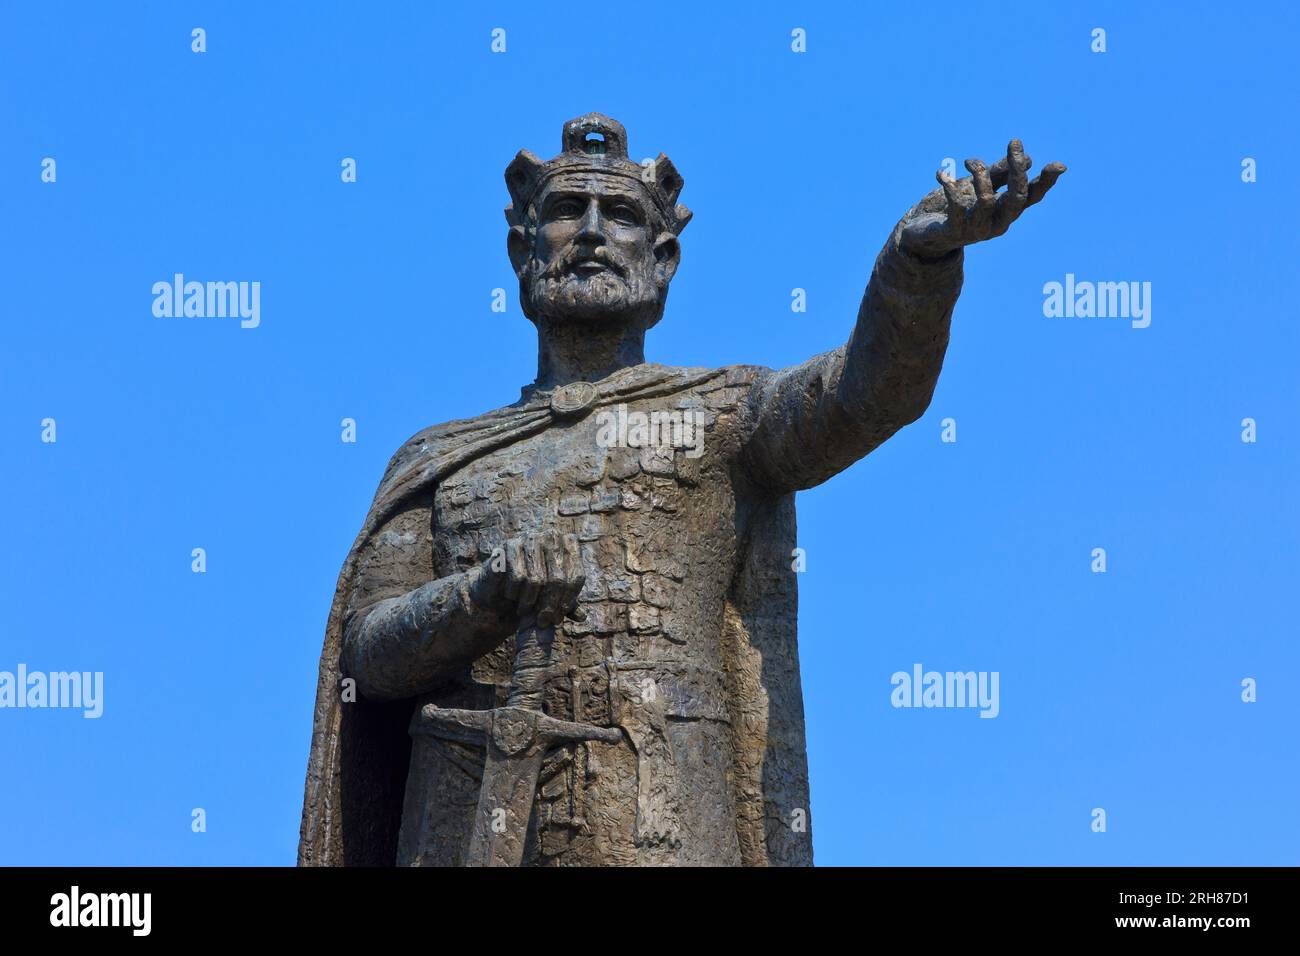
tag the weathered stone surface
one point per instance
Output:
(571, 621)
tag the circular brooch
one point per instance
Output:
(572, 400)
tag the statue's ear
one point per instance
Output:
(518, 246)
(668, 252)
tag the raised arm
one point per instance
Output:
(813, 420)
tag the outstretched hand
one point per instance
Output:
(970, 210)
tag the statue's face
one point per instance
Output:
(597, 254)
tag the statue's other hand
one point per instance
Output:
(969, 210)
(537, 576)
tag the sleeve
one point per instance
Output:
(811, 421)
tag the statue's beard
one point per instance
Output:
(624, 292)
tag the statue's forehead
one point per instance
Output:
(592, 183)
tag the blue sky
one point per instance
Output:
(1119, 690)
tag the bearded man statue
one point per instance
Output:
(565, 634)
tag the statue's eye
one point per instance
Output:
(624, 213)
(566, 209)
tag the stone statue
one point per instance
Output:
(565, 634)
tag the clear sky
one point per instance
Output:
(1119, 690)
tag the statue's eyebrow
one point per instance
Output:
(606, 190)
(556, 195)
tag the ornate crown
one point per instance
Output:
(596, 143)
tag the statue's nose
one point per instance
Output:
(592, 227)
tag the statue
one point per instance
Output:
(565, 634)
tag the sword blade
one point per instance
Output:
(505, 804)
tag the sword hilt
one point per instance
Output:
(533, 643)
(532, 658)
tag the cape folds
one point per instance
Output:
(360, 750)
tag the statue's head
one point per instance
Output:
(593, 235)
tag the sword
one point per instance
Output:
(517, 737)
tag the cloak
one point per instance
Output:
(360, 750)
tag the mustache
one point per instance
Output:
(572, 256)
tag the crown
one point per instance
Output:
(596, 143)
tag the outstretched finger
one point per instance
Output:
(1017, 170)
(985, 194)
(984, 190)
(950, 191)
(1012, 202)
(1043, 182)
